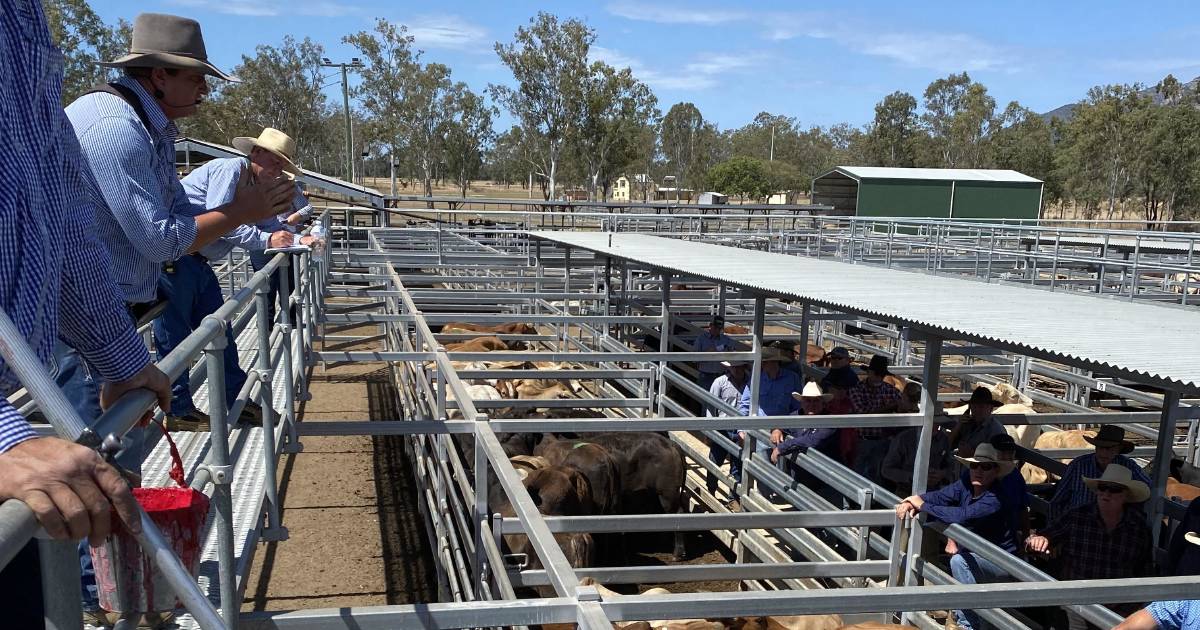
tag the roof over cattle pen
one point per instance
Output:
(1149, 343)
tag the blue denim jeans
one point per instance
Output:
(718, 455)
(969, 568)
(193, 293)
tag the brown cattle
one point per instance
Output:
(1072, 438)
(899, 382)
(576, 546)
(511, 328)
(478, 344)
(787, 622)
(1182, 491)
(816, 355)
(734, 329)
(593, 461)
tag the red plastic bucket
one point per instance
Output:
(128, 581)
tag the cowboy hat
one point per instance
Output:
(839, 352)
(1110, 435)
(878, 365)
(730, 364)
(811, 390)
(167, 41)
(986, 454)
(983, 395)
(272, 140)
(771, 353)
(1192, 537)
(1137, 491)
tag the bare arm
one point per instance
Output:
(1140, 620)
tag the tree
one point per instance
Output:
(958, 116)
(687, 142)
(280, 88)
(1024, 142)
(548, 60)
(783, 177)
(741, 176)
(1100, 144)
(430, 104)
(386, 82)
(615, 106)
(467, 137)
(892, 136)
(85, 40)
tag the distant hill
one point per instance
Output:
(1066, 111)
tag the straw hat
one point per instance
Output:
(272, 140)
(167, 41)
(1137, 491)
(1110, 435)
(986, 454)
(811, 390)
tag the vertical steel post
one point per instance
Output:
(805, 310)
(274, 531)
(565, 330)
(59, 564)
(1164, 450)
(929, 386)
(289, 376)
(222, 472)
(755, 384)
(664, 342)
(721, 299)
(481, 509)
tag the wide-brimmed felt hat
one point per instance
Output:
(771, 353)
(983, 395)
(730, 364)
(878, 365)
(1110, 435)
(167, 41)
(275, 141)
(986, 454)
(1137, 491)
(811, 390)
(1192, 537)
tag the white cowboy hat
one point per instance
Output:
(986, 454)
(735, 363)
(811, 390)
(1192, 537)
(1137, 491)
(167, 41)
(272, 140)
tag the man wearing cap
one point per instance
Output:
(839, 367)
(127, 133)
(728, 389)
(874, 395)
(1169, 615)
(1105, 538)
(190, 286)
(713, 339)
(1111, 446)
(976, 425)
(973, 503)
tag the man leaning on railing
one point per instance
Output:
(55, 280)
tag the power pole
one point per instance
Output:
(772, 159)
(355, 62)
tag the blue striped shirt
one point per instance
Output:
(55, 276)
(1176, 615)
(145, 218)
(213, 185)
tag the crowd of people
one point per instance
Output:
(1096, 527)
(100, 236)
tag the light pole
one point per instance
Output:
(355, 62)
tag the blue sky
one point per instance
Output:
(822, 65)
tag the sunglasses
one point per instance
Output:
(1110, 488)
(984, 466)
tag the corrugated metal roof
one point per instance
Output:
(947, 174)
(1151, 343)
(1145, 245)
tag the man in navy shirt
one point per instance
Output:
(976, 505)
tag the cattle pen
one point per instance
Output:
(615, 307)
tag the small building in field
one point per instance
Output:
(636, 188)
(713, 199)
(783, 197)
(671, 193)
(948, 193)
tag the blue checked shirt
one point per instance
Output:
(215, 184)
(1176, 615)
(774, 395)
(55, 276)
(145, 217)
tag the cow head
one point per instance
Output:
(560, 491)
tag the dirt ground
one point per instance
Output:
(341, 551)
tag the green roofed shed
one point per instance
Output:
(958, 193)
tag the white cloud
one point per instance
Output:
(673, 14)
(272, 8)
(936, 51)
(703, 72)
(447, 31)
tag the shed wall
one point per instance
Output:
(984, 200)
(903, 198)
